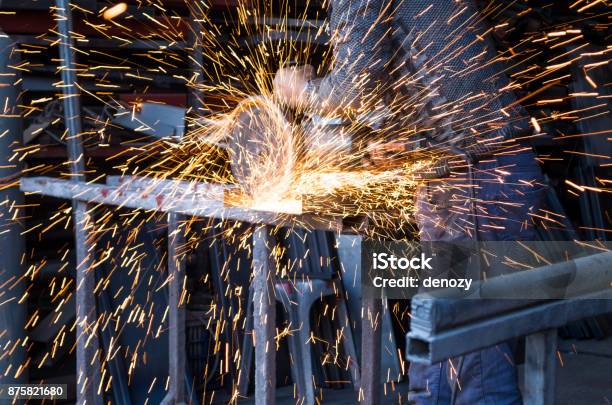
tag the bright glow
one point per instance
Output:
(114, 11)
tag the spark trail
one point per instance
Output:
(225, 59)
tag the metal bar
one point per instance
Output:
(445, 309)
(175, 188)
(196, 60)
(371, 340)
(264, 316)
(88, 369)
(349, 252)
(180, 202)
(308, 293)
(176, 315)
(548, 314)
(12, 244)
(540, 368)
(72, 97)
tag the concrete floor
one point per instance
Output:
(584, 377)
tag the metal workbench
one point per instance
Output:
(178, 198)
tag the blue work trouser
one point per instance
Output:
(507, 190)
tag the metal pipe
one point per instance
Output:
(71, 93)
(196, 61)
(264, 316)
(12, 313)
(176, 313)
(88, 369)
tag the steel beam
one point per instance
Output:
(264, 315)
(88, 368)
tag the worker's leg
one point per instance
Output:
(487, 376)
(429, 384)
(509, 198)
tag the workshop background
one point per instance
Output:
(149, 73)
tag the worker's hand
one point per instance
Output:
(384, 153)
(290, 84)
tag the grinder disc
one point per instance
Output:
(261, 148)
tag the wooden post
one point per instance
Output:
(371, 340)
(540, 368)
(264, 316)
(176, 318)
